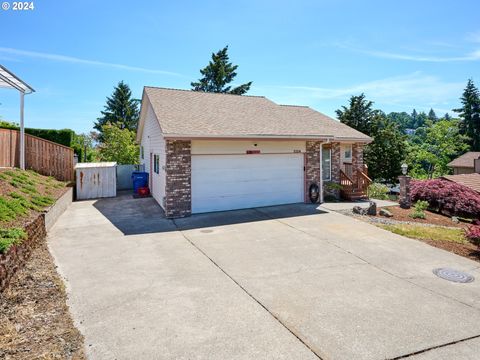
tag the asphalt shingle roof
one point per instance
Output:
(188, 113)
(466, 160)
(469, 180)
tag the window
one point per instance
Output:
(326, 164)
(142, 153)
(347, 151)
(156, 164)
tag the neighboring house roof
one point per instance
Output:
(466, 160)
(469, 180)
(192, 114)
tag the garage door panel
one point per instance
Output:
(227, 182)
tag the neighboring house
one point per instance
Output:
(469, 180)
(465, 164)
(213, 152)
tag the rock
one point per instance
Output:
(455, 219)
(385, 212)
(372, 208)
(359, 210)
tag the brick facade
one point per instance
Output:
(404, 199)
(312, 166)
(336, 166)
(178, 169)
(357, 158)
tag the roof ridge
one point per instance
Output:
(302, 106)
(202, 92)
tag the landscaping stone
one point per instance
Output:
(372, 209)
(359, 210)
(385, 212)
(455, 220)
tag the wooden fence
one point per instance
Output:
(43, 156)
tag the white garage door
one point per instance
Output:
(227, 182)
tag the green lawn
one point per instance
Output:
(428, 232)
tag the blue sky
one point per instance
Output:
(401, 54)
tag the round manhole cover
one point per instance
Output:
(206, 231)
(453, 275)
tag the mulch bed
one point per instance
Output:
(34, 318)
(467, 250)
(432, 218)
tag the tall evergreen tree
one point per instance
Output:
(447, 116)
(413, 120)
(359, 114)
(386, 153)
(120, 110)
(432, 116)
(218, 74)
(469, 114)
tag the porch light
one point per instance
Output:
(404, 168)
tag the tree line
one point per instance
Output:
(425, 141)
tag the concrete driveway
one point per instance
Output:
(286, 282)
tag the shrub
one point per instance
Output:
(378, 191)
(447, 197)
(472, 233)
(419, 210)
(9, 237)
(42, 200)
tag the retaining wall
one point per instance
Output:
(17, 255)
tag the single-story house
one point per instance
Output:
(471, 181)
(465, 164)
(213, 152)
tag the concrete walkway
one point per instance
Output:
(348, 205)
(285, 282)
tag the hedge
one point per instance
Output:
(63, 137)
(447, 197)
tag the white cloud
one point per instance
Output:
(75, 60)
(407, 90)
(474, 37)
(473, 56)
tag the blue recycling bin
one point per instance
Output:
(140, 179)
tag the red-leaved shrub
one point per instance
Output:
(473, 234)
(447, 197)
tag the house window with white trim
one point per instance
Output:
(347, 152)
(326, 164)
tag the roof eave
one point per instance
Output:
(328, 138)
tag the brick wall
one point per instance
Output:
(336, 166)
(312, 166)
(357, 158)
(17, 255)
(178, 169)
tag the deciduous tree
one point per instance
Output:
(118, 145)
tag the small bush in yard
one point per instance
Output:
(378, 191)
(419, 210)
(42, 200)
(447, 197)
(473, 234)
(9, 237)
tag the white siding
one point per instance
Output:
(154, 143)
(96, 180)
